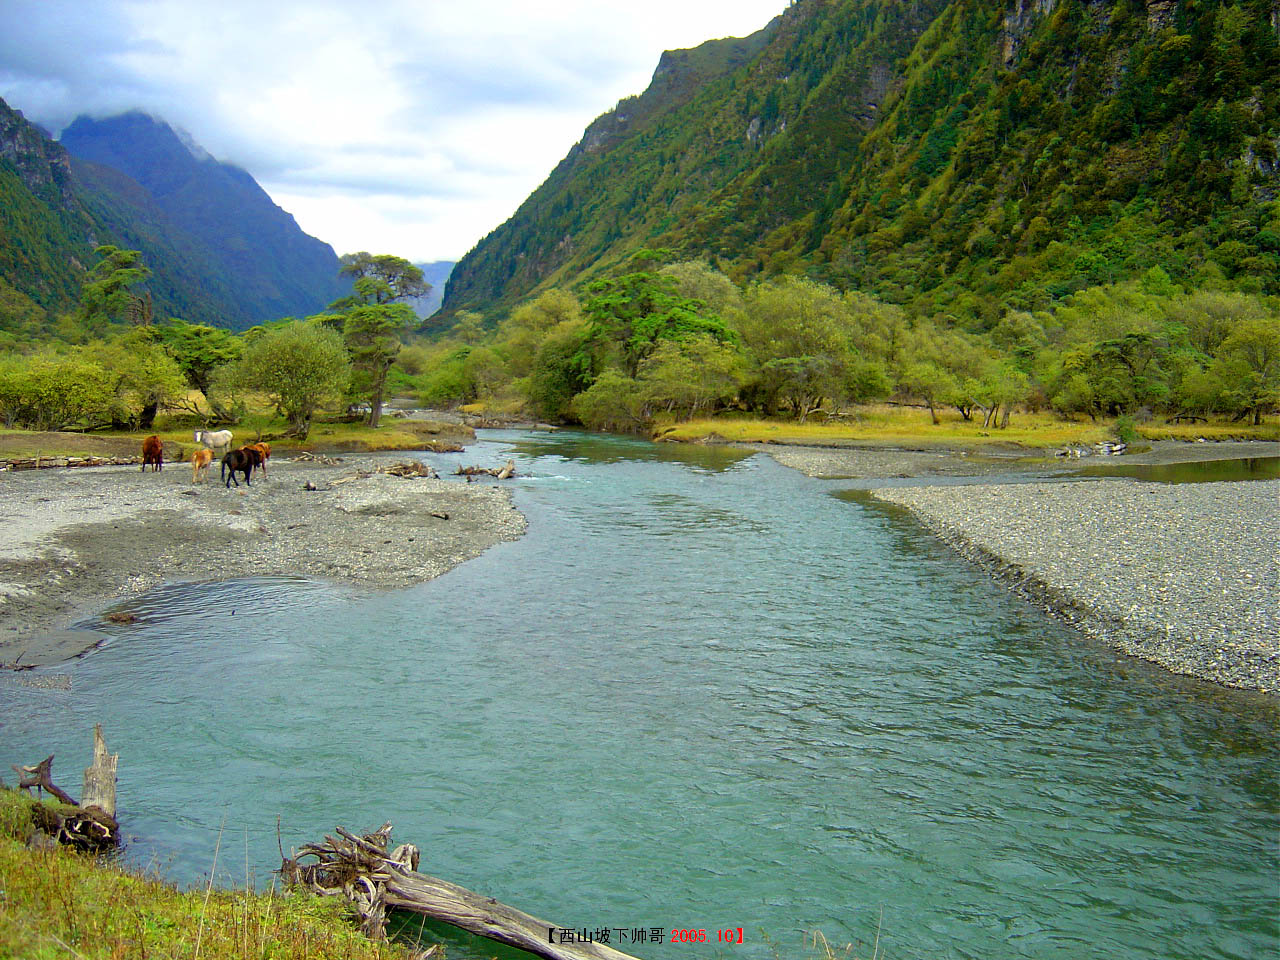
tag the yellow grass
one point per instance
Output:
(1215, 430)
(885, 425)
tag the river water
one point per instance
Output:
(701, 693)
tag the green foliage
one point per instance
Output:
(300, 367)
(146, 377)
(106, 296)
(631, 314)
(198, 350)
(381, 279)
(562, 368)
(51, 392)
(1126, 430)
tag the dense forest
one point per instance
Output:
(659, 341)
(1046, 204)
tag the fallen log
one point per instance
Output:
(373, 881)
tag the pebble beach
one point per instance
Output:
(1186, 576)
(78, 540)
(1182, 575)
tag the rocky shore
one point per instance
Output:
(1183, 575)
(75, 541)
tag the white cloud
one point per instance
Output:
(402, 127)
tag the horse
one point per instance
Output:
(200, 460)
(214, 440)
(243, 460)
(264, 452)
(153, 453)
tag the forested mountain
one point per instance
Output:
(960, 157)
(267, 266)
(220, 251)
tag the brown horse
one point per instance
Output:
(153, 453)
(264, 452)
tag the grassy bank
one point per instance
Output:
(883, 425)
(55, 904)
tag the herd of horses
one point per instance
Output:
(243, 460)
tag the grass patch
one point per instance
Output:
(1214, 430)
(393, 434)
(889, 426)
(897, 426)
(56, 904)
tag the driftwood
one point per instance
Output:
(410, 469)
(92, 825)
(373, 880)
(503, 473)
(307, 457)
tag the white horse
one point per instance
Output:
(215, 440)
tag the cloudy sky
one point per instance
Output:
(411, 127)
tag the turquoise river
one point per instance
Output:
(703, 692)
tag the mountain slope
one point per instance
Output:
(45, 234)
(260, 265)
(220, 251)
(957, 155)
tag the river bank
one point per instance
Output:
(76, 541)
(1180, 575)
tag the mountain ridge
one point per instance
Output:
(936, 153)
(220, 251)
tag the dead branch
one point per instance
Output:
(92, 824)
(410, 469)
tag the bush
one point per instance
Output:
(1125, 429)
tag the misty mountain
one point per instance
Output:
(436, 274)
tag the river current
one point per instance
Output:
(701, 693)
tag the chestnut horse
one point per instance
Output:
(153, 453)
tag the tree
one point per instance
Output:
(1249, 364)
(614, 402)
(632, 313)
(374, 317)
(299, 366)
(520, 335)
(106, 295)
(380, 279)
(198, 350)
(50, 392)
(797, 332)
(689, 376)
(372, 335)
(146, 377)
(562, 368)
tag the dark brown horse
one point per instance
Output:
(242, 460)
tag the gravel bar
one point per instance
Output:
(74, 541)
(1184, 575)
